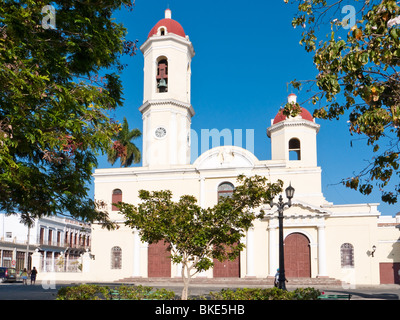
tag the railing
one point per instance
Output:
(13, 240)
(62, 244)
(61, 265)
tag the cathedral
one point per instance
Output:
(349, 242)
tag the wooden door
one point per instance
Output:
(297, 256)
(389, 272)
(159, 263)
(227, 269)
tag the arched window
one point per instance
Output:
(225, 189)
(294, 149)
(347, 255)
(116, 258)
(116, 197)
(162, 75)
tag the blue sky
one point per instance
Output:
(257, 53)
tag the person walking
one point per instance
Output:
(276, 280)
(33, 275)
(24, 276)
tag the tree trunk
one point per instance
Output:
(186, 280)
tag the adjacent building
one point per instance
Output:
(59, 240)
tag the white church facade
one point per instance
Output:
(352, 243)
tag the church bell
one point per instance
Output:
(162, 85)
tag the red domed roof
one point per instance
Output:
(304, 114)
(171, 25)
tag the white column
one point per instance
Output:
(144, 142)
(202, 204)
(178, 270)
(36, 260)
(202, 192)
(148, 147)
(86, 261)
(173, 139)
(53, 261)
(250, 253)
(273, 263)
(45, 261)
(182, 140)
(136, 254)
(321, 252)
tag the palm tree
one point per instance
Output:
(123, 148)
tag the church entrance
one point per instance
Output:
(297, 256)
(159, 263)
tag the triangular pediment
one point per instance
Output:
(299, 209)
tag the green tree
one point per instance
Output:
(195, 235)
(358, 75)
(58, 84)
(123, 148)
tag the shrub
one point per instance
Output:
(265, 294)
(306, 294)
(95, 292)
(144, 293)
(83, 292)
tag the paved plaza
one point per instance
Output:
(48, 290)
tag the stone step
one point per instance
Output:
(236, 281)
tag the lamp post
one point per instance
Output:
(281, 205)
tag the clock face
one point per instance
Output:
(160, 132)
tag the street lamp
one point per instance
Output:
(281, 205)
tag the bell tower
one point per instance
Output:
(166, 109)
(294, 139)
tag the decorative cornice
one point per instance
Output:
(173, 102)
(290, 123)
(185, 41)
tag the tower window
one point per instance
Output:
(294, 149)
(162, 32)
(116, 197)
(162, 75)
(225, 189)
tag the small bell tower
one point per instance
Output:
(166, 109)
(294, 139)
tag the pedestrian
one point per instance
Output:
(33, 275)
(24, 276)
(276, 280)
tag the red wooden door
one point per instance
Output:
(297, 256)
(226, 269)
(389, 272)
(159, 263)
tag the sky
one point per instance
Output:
(247, 52)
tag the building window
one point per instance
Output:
(347, 255)
(116, 258)
(50, 238)
(225, 189)
(162, 75)
(41, 236)
(294, 149)
(116, 197)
